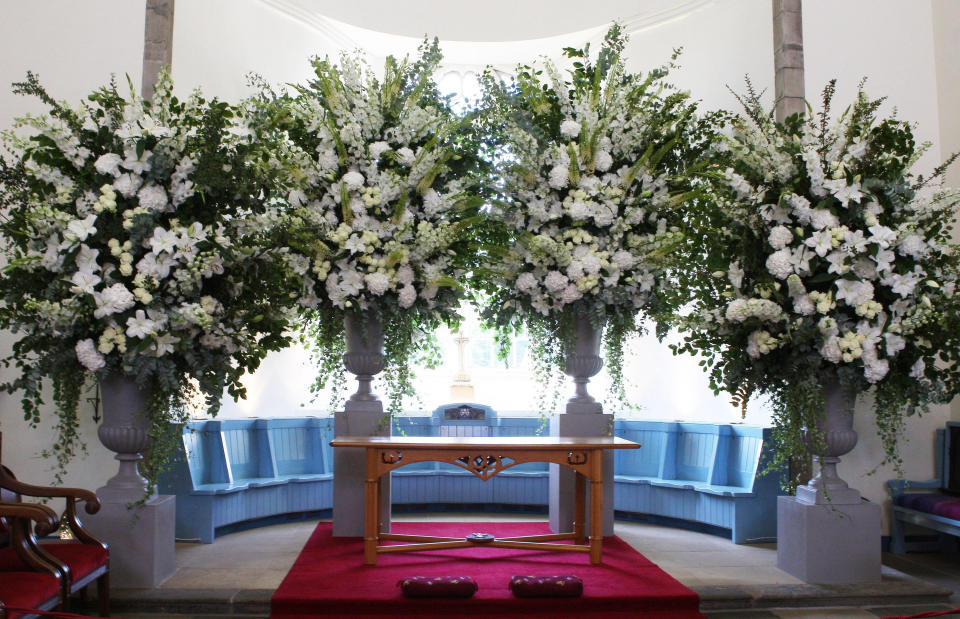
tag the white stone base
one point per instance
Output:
(562, 477)
(828, 544)
(142, 540)
(350, 468)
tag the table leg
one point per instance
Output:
(579, 508)
(596, 507)
(371, 530)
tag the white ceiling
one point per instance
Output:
(485, 20)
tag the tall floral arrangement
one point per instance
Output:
(382, 218)
(132, 247)
(593, 171)
(824, 257)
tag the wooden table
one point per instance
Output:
(485, 456)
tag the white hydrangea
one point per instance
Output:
(153, 198)
(570, 128)
(603, 161)
(526, 282)
(780, 263)
(407, 296)
(555, 281)
(88, 356)
(353, 179)
(127, 184)
(570, 294)
(875, 371)
(559, 176)
(405, 275)
(405, 156)
(780, 237)
(377, 149)
(377, 283)
(766, 310)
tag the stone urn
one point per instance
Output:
(838, 438)
(364, 358)
(584, 362)
(125, 430)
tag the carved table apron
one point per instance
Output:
(485, 456)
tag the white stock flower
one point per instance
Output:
(88, 356)
(603, 161)
(153, 198)
(895, 343)
(108, 163)
(914, 246)
(112, 300)
(559, 176)
(876, 370)
(127, 184)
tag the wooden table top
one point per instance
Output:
(545, 443)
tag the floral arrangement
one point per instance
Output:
(382, 218)
(824, 257)
(132, 247)
(592, 177)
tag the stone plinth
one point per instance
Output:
(350, 467)
(141, 539)
(562, 477)
(828, 543)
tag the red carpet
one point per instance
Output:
(329, 579)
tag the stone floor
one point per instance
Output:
(237, 574)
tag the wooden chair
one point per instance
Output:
(80, 561)
(41, 586)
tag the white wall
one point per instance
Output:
(74, 47)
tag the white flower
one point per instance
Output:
(570, 128)
(882, 236)
(895, 343)
(84, 281)
(555, 281)
(164, 344)
(108, 163)
(140, 326)
(735, 274)
(153, 198)
(854, 292)
(559, 176)
(884, 260)
(831, 349)
(127, 184)
(843, 192)
(822, 218)
(875, 371)
(112, 300)
(86, 259)
(918, 369)
(377, 283)
(405, 156)
(526, 282)
(914, 246)
(570, 294)
(760, 343)
(163, 241)
(405, 275)
(377, 149)
(80, 229)
(353, 179)
(780, 263)
(407, 296)
(780, 237)
(88, 356)
(740, 310)
(351, 282)
(603, 161)
(804, 305)
(157, 266)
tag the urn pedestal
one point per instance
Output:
(362, 416)
(826, 533)
(583, 418)
(141, 537)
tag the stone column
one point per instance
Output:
(788, 58)
(157, 42)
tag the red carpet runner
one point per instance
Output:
(329, 579)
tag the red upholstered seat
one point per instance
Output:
(28, 590)
(82, 559)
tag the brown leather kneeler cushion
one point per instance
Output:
(439, 587)
(546, 586)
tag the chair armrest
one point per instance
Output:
(46, 519)
(8, 481)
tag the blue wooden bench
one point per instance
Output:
(929, 508)
(698, 472)
(238, 470)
